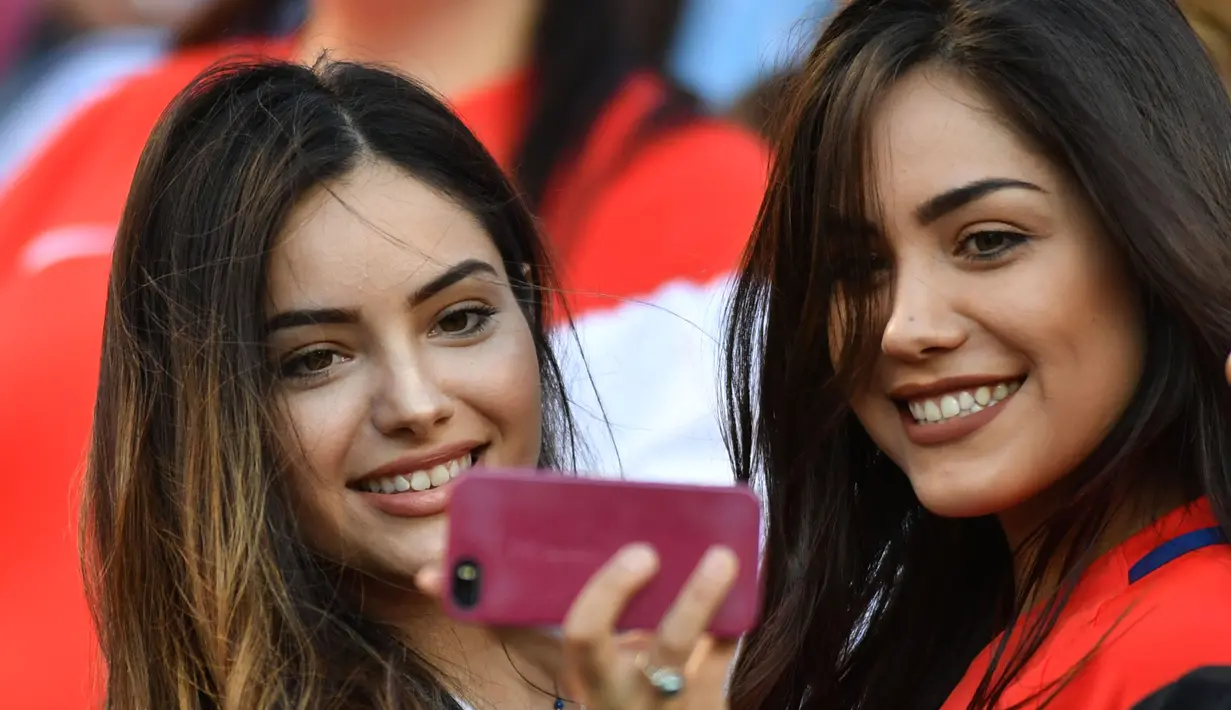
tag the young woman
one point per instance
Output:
(977, 359)
(645, 204)
(326, 305)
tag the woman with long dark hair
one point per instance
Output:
(327, 304)
(976, 359)
(644, 202)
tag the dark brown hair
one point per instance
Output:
(873, 602)
(204, 594)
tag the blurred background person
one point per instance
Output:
(645, 200)
(57, 54)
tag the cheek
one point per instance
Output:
(1082, 332)
(1085, 331)
(499, 380)
(315, 433)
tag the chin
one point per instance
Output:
(952, 499)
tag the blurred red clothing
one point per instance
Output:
(1151, 610)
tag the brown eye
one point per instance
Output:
(990, 244)
(310, 363)
(457, 322)
(463, 322)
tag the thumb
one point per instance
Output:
(430, 581)
(1229, 370)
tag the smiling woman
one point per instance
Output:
(327, 303)
(372, 411)
(1009, 484)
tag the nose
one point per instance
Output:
(408, 399)
(923, 322)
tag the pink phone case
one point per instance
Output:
(529, 542)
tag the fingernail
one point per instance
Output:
(718, 563)
(639, 559)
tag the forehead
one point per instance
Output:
(375, 230)
(933, 132)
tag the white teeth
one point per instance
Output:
(960, 404)
(419, 480)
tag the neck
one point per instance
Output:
(1128, 516)
(509, 671)
(453, 46)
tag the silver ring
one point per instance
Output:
(667, 682)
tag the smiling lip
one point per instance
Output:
(416, 504)
(950, 430)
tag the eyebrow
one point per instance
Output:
(325, 316)
(952, 200)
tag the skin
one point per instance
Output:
(1018, 283)
(401, 380)
(405, 377)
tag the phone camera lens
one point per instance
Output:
(466, 581)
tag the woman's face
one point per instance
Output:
(402, 360)
(1013, 341)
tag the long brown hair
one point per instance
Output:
(873, 602)
(204, 594)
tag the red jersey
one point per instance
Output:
(1151, 610)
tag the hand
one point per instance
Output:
(606, 672)
(1229, 370)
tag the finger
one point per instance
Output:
(703, 594)
(1228, 370)
(713, 669)
(430, 581)
(589, 645)
(708, 673)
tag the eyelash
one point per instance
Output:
(287, 369)
(1012, 240)
(484, 313)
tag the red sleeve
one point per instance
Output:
(681, 210)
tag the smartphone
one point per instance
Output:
(523, 544)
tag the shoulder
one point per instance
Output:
(698, 154)
(1173, 621)
(691, 183)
